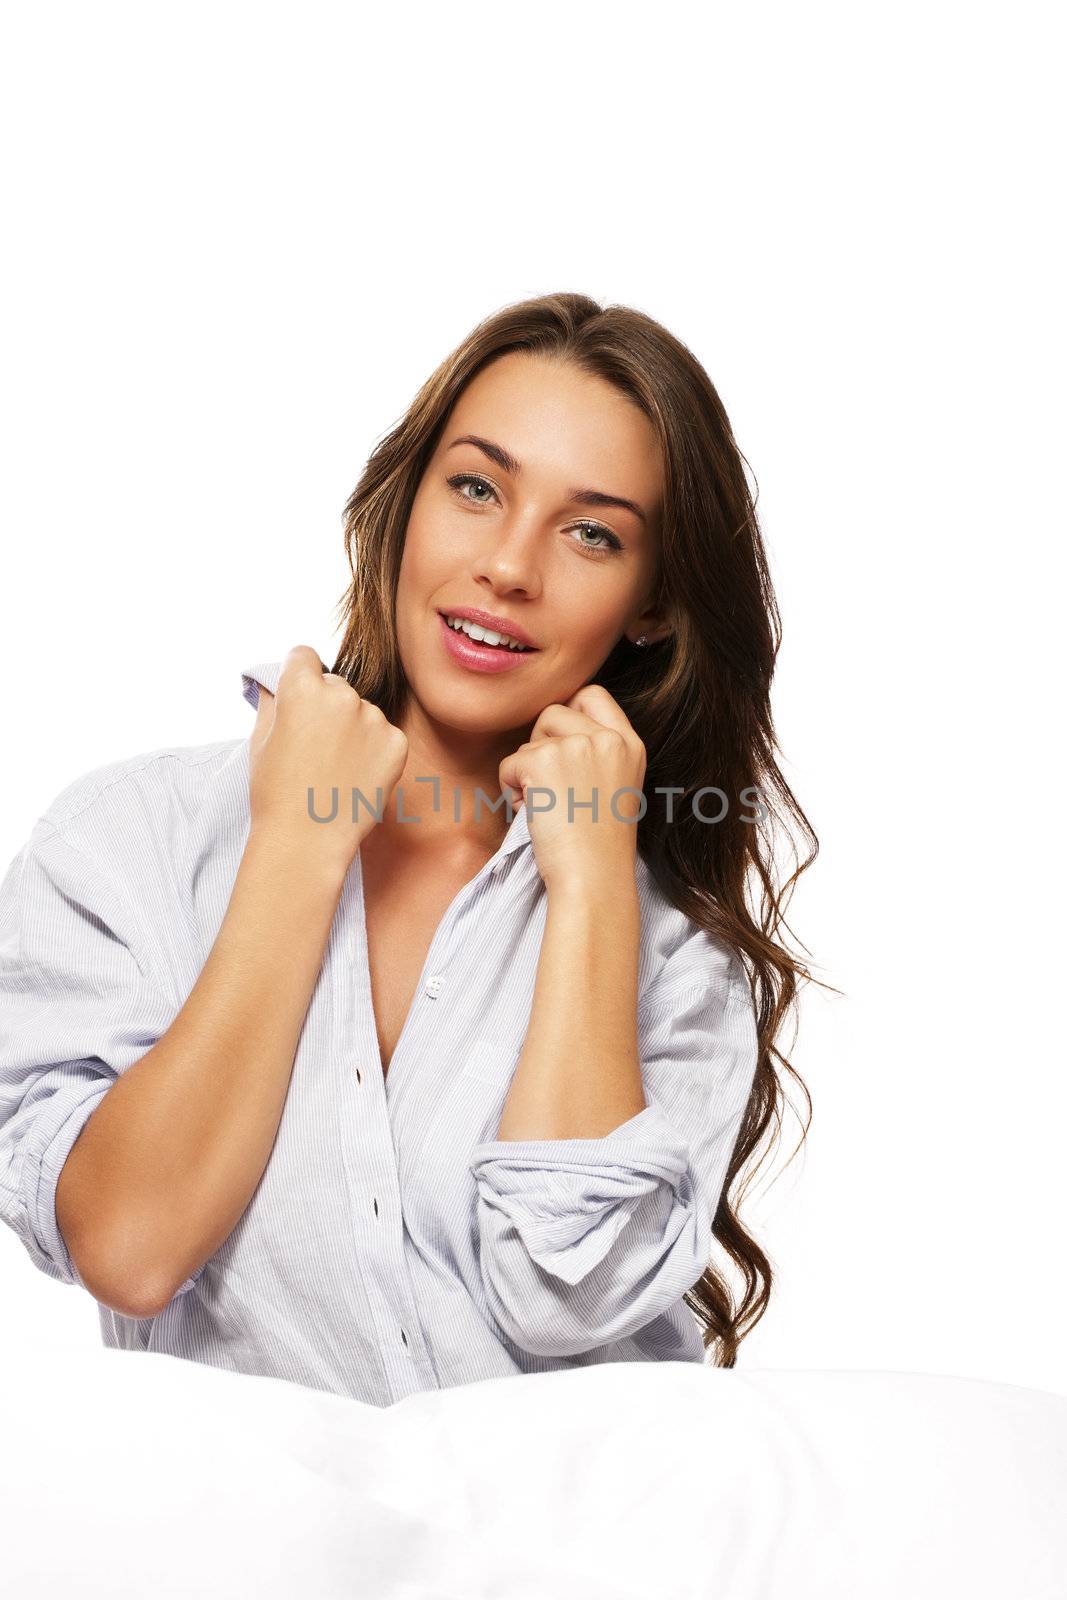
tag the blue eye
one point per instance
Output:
(462, 480)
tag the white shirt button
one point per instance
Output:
(433, 985)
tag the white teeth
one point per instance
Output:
(484, 635)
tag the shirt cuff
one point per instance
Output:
(54, 1135)
(569, 1199)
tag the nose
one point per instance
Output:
(510, 562)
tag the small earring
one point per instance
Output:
(643, 639)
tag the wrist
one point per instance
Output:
(595, 883)
(301, 854)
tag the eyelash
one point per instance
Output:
(459, 481)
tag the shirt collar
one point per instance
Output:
(267, 673)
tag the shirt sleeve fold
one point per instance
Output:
(585, 1241)
(76, 1010)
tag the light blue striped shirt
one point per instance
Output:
(393, 1244)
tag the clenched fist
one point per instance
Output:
(318, 734)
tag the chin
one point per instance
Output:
(451, 712)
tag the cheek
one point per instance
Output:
(587, 619)
(416, 562)
(435, 548)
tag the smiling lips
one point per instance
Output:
(476, 657)
(482, 621)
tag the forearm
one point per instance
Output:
(579, 1074)
(169, 1160)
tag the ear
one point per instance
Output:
(653, 624)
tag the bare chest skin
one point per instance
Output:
(405, 900)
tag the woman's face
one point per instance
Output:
(514, 540)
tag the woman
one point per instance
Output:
(323, 1062)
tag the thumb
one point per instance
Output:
(511, 777)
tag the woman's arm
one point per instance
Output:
(167, 1163)
(169, 1160)
(579, 1075)
(584, 1240)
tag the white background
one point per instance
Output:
(239, 238)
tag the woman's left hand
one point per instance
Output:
(586, 748)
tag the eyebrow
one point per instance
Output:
(583, 497)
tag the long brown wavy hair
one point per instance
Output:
(699, 698)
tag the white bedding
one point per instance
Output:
(142, 1475)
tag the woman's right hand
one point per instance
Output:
(318, 733)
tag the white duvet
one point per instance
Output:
(127, 1474)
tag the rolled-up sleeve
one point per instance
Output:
(76, 1010)
(585, 1241)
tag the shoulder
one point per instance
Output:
(114, 781)
(187, 774)
(145, 804)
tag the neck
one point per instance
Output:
(449, 784)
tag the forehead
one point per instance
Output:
(557, 419)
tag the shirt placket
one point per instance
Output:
(374, 1176)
